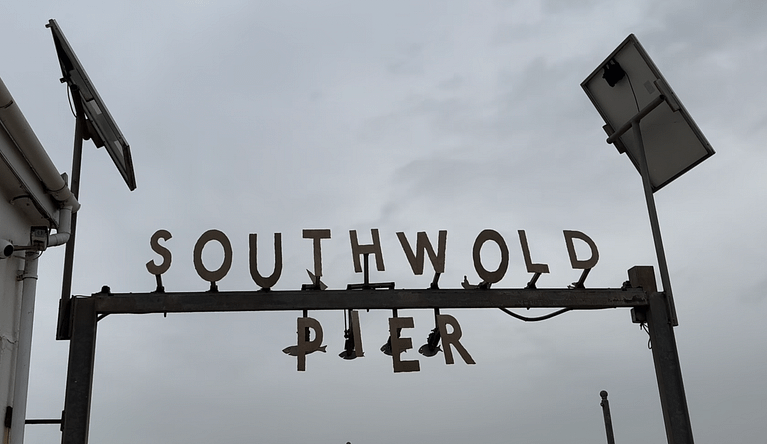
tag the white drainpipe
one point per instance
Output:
(26, 321)
(24, 347)
(64, 230)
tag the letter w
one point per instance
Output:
(423, 245)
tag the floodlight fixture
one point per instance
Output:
(349, 352)
(386, 348)
(431, 348)
(100, 126)
(352, 336)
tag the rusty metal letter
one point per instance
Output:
(305, 346)
(399, 345)
(316, 236)
(261, 281)
(217, 275)
(531, 267)
(574, 261)
(354, 323)
(488, 276)
(452, 338)
(374, 248)
(154, 242)
(423, 245)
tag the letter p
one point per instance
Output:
(305, 346)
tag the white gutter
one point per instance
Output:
(29, 145)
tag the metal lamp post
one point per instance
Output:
(629, 92)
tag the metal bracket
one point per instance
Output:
(435, 282)
(160, 288)
(531, 284)
(579, 284)
(367, 285)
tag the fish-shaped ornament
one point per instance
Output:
(293, 350)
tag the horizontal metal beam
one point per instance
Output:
(42, 421)
(178, 302)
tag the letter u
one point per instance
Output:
(269, 282)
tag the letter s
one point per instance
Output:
(162, 251)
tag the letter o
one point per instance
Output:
(217, 275)
(488, 276)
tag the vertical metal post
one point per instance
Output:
(654, 223)
(82, 348)
(608, 419)
(62, 328)
(668, 372)
(665, 356)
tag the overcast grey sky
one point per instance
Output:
(265, 116)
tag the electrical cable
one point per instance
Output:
(643, 326)
(69, 99)
(631, 85)
(539, 318)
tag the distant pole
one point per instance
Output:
(608, 419)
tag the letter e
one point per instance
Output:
(398, 345)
